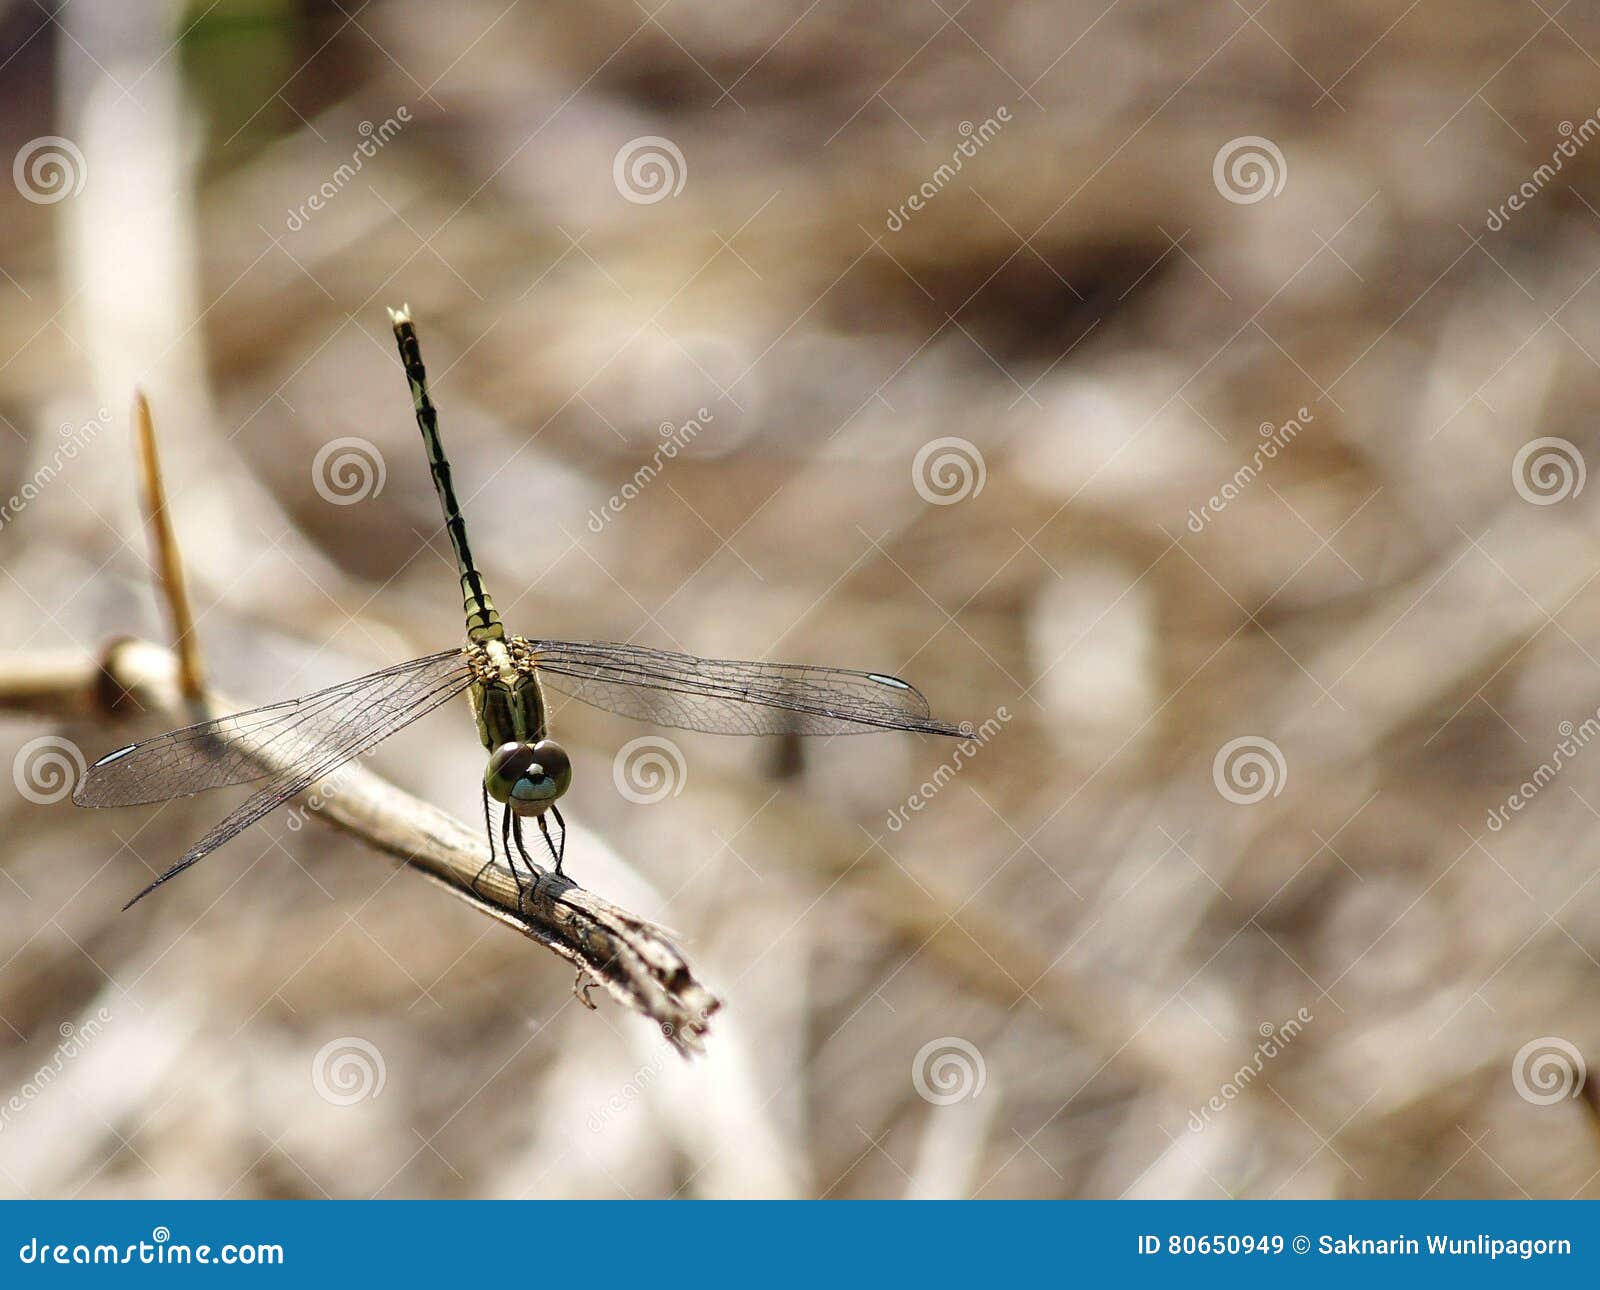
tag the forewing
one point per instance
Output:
(285, 746)
(388, 709)
(246, 746)
(727, 696)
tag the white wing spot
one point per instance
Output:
(889, 680)
(112, 756)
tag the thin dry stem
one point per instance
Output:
(165, 554)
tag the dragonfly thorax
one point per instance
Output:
(526, 771)
(506, 696)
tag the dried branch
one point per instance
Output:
(164, 551)
(632, 958)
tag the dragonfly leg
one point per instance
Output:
(506, 822)
(522, 849)
(488, 828)
(558, 850)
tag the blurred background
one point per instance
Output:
(1194, 397)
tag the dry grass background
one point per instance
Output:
(1082, 305)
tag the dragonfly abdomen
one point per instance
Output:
(483, 623)
(483, 620)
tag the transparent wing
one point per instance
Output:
(287, 747)
(230, 750)
(726, 696)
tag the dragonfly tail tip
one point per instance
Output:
(145, 892)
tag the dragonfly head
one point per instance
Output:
(528, 777)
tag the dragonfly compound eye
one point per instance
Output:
(528, 777)
(551, 758)
(507, 764)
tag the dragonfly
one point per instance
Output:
(285, 748)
